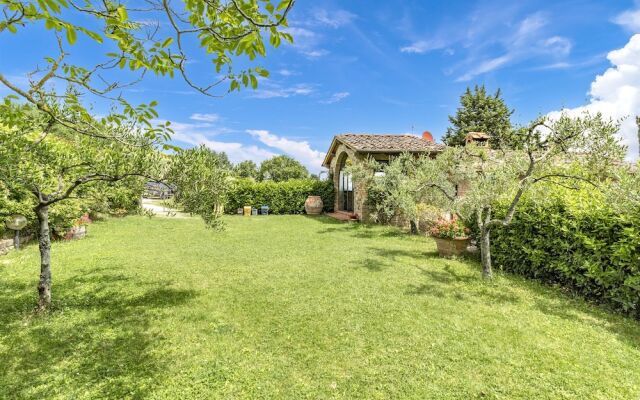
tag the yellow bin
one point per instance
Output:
(247, 211)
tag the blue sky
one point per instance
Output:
(400, 67)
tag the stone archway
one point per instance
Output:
(343, 184)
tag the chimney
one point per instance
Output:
(426, 135)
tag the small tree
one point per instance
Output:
(66, 166)
(558, 152)
(201, 179)
(282, 168)
(393, 190)
(246, 169)
(155, 36)
(480, 112)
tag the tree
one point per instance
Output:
(65, 166)
(246, 169)
(393, 190)
(480, 112)
(561, 152)
(282, 168)
(201, 180)
(153, 37)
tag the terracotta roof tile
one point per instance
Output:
(388, 143)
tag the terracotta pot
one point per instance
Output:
(451, 247)
(313, 205)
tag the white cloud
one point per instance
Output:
(307, 42)
(423, 46)
(286, 72)
(270, 90)
(525, 43)
(315, 53)
(616, 93)
(530, 25)
(494, 37)
(336, 97)
(205, 117)
(629, 20)
(300, 150)
(196, 134)
(485, 66)
(335, 19)
(558, 45)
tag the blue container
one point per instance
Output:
(264, 210)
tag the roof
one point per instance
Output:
(368, 143)
(477, 135)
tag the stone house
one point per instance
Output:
(350, 200)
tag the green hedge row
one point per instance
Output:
(285, 197)
(593, 251)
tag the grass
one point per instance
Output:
(296, 307)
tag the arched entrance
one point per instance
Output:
(345, 185)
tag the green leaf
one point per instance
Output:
(167, 42)
(122, 13)
(283, 4)
(71, 34)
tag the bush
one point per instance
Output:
(578, 241)
(106, 198)
(286, 197)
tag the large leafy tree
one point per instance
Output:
(480, 111)
(160, 37)
(66, 166)
(282, 168)
(246, 169)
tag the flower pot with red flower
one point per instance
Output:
(451, 236)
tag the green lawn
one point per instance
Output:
(296, 307)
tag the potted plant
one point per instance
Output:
(452, 237)
(79, 229)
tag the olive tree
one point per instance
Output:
(160, 37)
(395, 189)
(66, 166)
(201, 180)
(472, 180)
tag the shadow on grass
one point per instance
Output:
(98, 340)
(364, 231)
(446, 282)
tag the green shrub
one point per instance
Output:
(578, 241)
(106, 198)
(286, 197)
(16, 203)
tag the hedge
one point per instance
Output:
(592, 250)
(286, 197)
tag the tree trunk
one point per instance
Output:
(414, 227)
(485, 252)
(44, 240)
